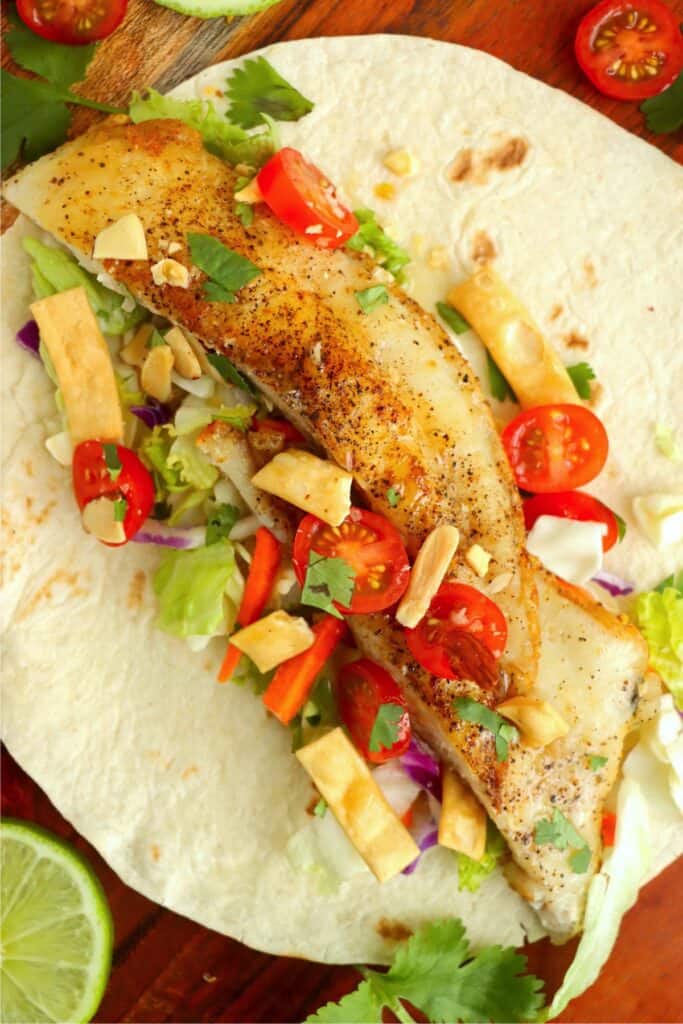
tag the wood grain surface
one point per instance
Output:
(166, 968)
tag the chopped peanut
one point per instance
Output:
(170, 272)
(184, 358)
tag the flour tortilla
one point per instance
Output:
(188, 789)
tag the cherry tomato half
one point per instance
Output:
(72, 21)
(302, 197)
(573, 505)
(461, 637)
(372, 547)
(93, 478)
(630, 50)
(361, 689)
(555, 447)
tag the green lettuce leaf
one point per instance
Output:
(221, 137)
(154, 451)
(55, 270)
(194, 590)
(193, 466)
(659, 615)
(612, 891)
(471, 873)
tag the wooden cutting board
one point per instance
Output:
(167, 968)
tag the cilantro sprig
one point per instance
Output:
(504, 732)
(35, 115)
(227, 270)
(559, 832)
(370, 298)
(328, 580)
(664, 112)
(386, 727)
(373, 238)
(256, 88)
(581, 375)
(436, 972)
(221, 522)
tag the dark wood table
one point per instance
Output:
(167, 968)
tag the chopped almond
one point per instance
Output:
(156, 372)
(429, 570)
(184, 358)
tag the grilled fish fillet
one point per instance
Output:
(389, 398)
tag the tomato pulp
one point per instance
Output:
(461, 637)
(555, 447)
(72, 21)
(573, 505)
(371, 546)
(302, 197)
(124, 477)
(630, 50)
(362, 688)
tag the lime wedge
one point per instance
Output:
(55, 930)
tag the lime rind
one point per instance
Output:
(217, 8)
(93, 908)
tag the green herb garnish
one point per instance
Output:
(596, 762)
(320, 809)
(393, 496)
(256, 88)
(386, 727)
(221, 522)
(559, 832)
(328, 580)
(388, 253)
(120, 509)
(227, 270)
(451, 317)
(112, 461)
(504, 732)
(664, 112)
(498, 383)
(370, 298)
(581, 375)
(229, 371)
(156, 339)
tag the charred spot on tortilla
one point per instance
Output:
(474, 167)
(574, 340)
(556, 312)
(483, 249)
(136, 589)
(60, 578)
(394, 931)
(589, 270)
(155, 852)
(509, 154)
(462, 166)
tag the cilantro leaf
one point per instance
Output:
(503, 732)
(112, 461)
(384, 249)
(370, 298)
(675, 581)
(581, 375)
(120, 509)
(559, 832)
(221, 522)
(451, 317)
(256, 88)
(328, 580)
(245, 214)
(436, 972)
(385, 729)
(664, 112)
(596, 762)
(58, 63)
(393, 496)
(156, 339)
(229, 372)
(320, 808)
(621, 526)
(33, 115)
(498, 384)
(227, 270)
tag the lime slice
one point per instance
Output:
(217, 8)
(55, 931)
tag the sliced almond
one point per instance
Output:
(462, 825)
(122, 240)
(538, 721)
(156, 372)
(135, 351)
(170, 272)
(184, 358)
(429, 570)
(98, 518)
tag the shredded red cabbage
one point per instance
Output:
(28, 338)
(428, 838)
(614, 585)
(153, 414)
(153, 532)
(422, 767)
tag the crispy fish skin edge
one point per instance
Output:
(151, 140)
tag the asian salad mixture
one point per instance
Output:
(211, 473)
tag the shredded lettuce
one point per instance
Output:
(193, 466)
(154, 450)
(55, 270)
(194, 414)
(198, 591)
(221, 137)
(471, 873)
(612, 892)
(659, 614)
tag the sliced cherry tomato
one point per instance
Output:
(555, 447)
(112, 471)
(282, 427)
(72, 21)
(608, 828)
(573, 505)
(372, 547)
(630, 50)
(361, 689)
(302, 197)
(461, 637)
